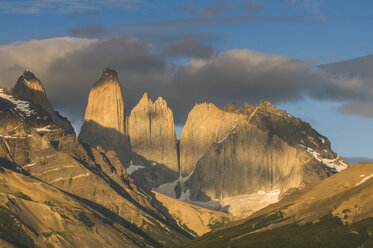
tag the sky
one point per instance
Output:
(289, 52)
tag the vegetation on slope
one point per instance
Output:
(328, 232)
(12, 232)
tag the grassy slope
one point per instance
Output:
(334, 213)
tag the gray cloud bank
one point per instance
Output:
(69, 66)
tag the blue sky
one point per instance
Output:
(310, 31)
(325, 30)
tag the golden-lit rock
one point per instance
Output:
(152, 132)
(105, 116)
(205, 125)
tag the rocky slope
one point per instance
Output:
(337, 212)
(32, 144)
(29, 87)
(33, 213)
(105, 117)
(196, 219)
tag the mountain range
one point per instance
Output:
(128, 181)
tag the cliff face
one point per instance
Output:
(105, 116)
(247, 161)
(227, 153)
(30, 88)
(152, 132)
(205, 125)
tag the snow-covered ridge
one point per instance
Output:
(23, 107)
(335, 164)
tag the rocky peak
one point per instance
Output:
(144, 101)
(109, 75)
(205, 125)
(230, 107)
(28, 79)
(160, 103)
(105, 116)
(152, 132)
(30, 88)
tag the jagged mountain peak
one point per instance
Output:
(105, 116)
(160, 102)
(28, 77)
(145, 99)
(152, 135)
(108, 76)
(30, 88)
(147, 102)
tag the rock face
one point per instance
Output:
(205, 125)
(30, 88)
(105, 116)
(152, 132)
(247, 161)
(226, 152)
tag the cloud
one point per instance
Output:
(223, 8)
(68, 67)
(88, 31)
(217, 20)
(189, 47)
(84, 13)
(62, 6)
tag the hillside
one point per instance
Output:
(338, 212)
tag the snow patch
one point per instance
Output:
(335, 164)
(362, 175)
(14, 137)
(73, 178)
(244, 205)
(43, 129)
(29, 165)
(224, 138)
(132, 168)
(169, 188)
(149, 197)
(364, 179)
(241, 205)
(21, 106)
